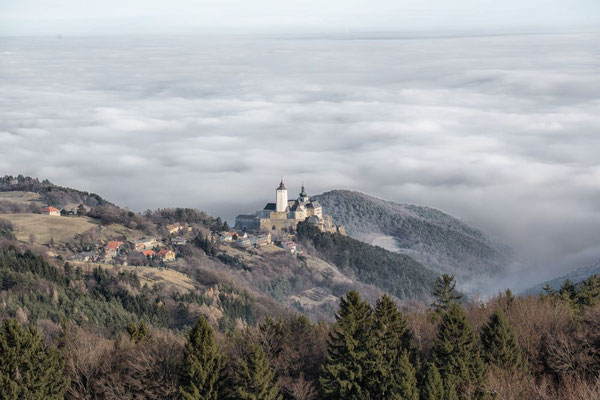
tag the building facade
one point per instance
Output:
(285, 214)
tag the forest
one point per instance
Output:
(511, 347)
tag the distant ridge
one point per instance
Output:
(50, 193)
(437, 240)
(578, 275)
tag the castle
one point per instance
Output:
(285, 214)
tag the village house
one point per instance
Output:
(262, 240)
(112, 248)
(86, 256)
(166, 255)
(174, 228)
(290, 246)
(243, 243)
(145, 244)
(178, 241)
(149, 253)
(51, 211)
(246, 241)
(232, 236)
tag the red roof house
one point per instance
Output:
(166, 255)
(149, 253)
(113, 245)
(51, 211)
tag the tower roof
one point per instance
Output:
(303, 192)
(282, 186)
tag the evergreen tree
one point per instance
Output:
(254, 378)
(433, 387)
(499, 342)
(28, 368)
(392, 343)
(568, 293)
(548, 291)
(404, 378)
(137, 332)
(450, 392)
(506, 300)
(590, 291)
(455, 350)
(202, 364)
(445, 293)
(350, 355)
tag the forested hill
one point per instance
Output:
(576, 276)
(435, 239)
(395, 273)
(50, 193)
(232, 283)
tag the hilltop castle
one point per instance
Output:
(285, 214)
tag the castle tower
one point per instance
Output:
(282, 198)
(303, 197)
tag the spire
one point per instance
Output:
(282, 185)
(303, 192)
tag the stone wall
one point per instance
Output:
(247, 224)
(267, 224)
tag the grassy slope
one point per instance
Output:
(24, 198)
(46, 227)
(171, 280)
(60, 228)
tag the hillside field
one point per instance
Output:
(173, 281)
(61, 229)
(25, 198)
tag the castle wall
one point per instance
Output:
(278, 215)
(283, 218)
(267, 224)
(247, 224)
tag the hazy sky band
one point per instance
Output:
(500, 131)
(30, 17)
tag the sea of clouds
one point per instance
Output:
(500, 131)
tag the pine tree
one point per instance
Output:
(202, 364)
(433, 387)
(404, 385)
(590, 291)
(254, 378)
(568, 293)
(392, 342)
(450, 392)
(137, 333)
(499, 342)
(391, 326)
(350, 353)
(455, 350)
(445, 293)
(28, 368)
(548, 291)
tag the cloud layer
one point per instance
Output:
(503, 132)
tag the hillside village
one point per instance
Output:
(269, 230)
(121, 249)
(301, 264)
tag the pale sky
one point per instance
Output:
(419, 107)
(52, 17)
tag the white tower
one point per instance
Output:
(282, 198)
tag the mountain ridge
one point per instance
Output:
(255, 279)
(432, 237)
(576, 276)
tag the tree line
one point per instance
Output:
(545, 347)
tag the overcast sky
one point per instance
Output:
(501, 131)
(27, 17)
